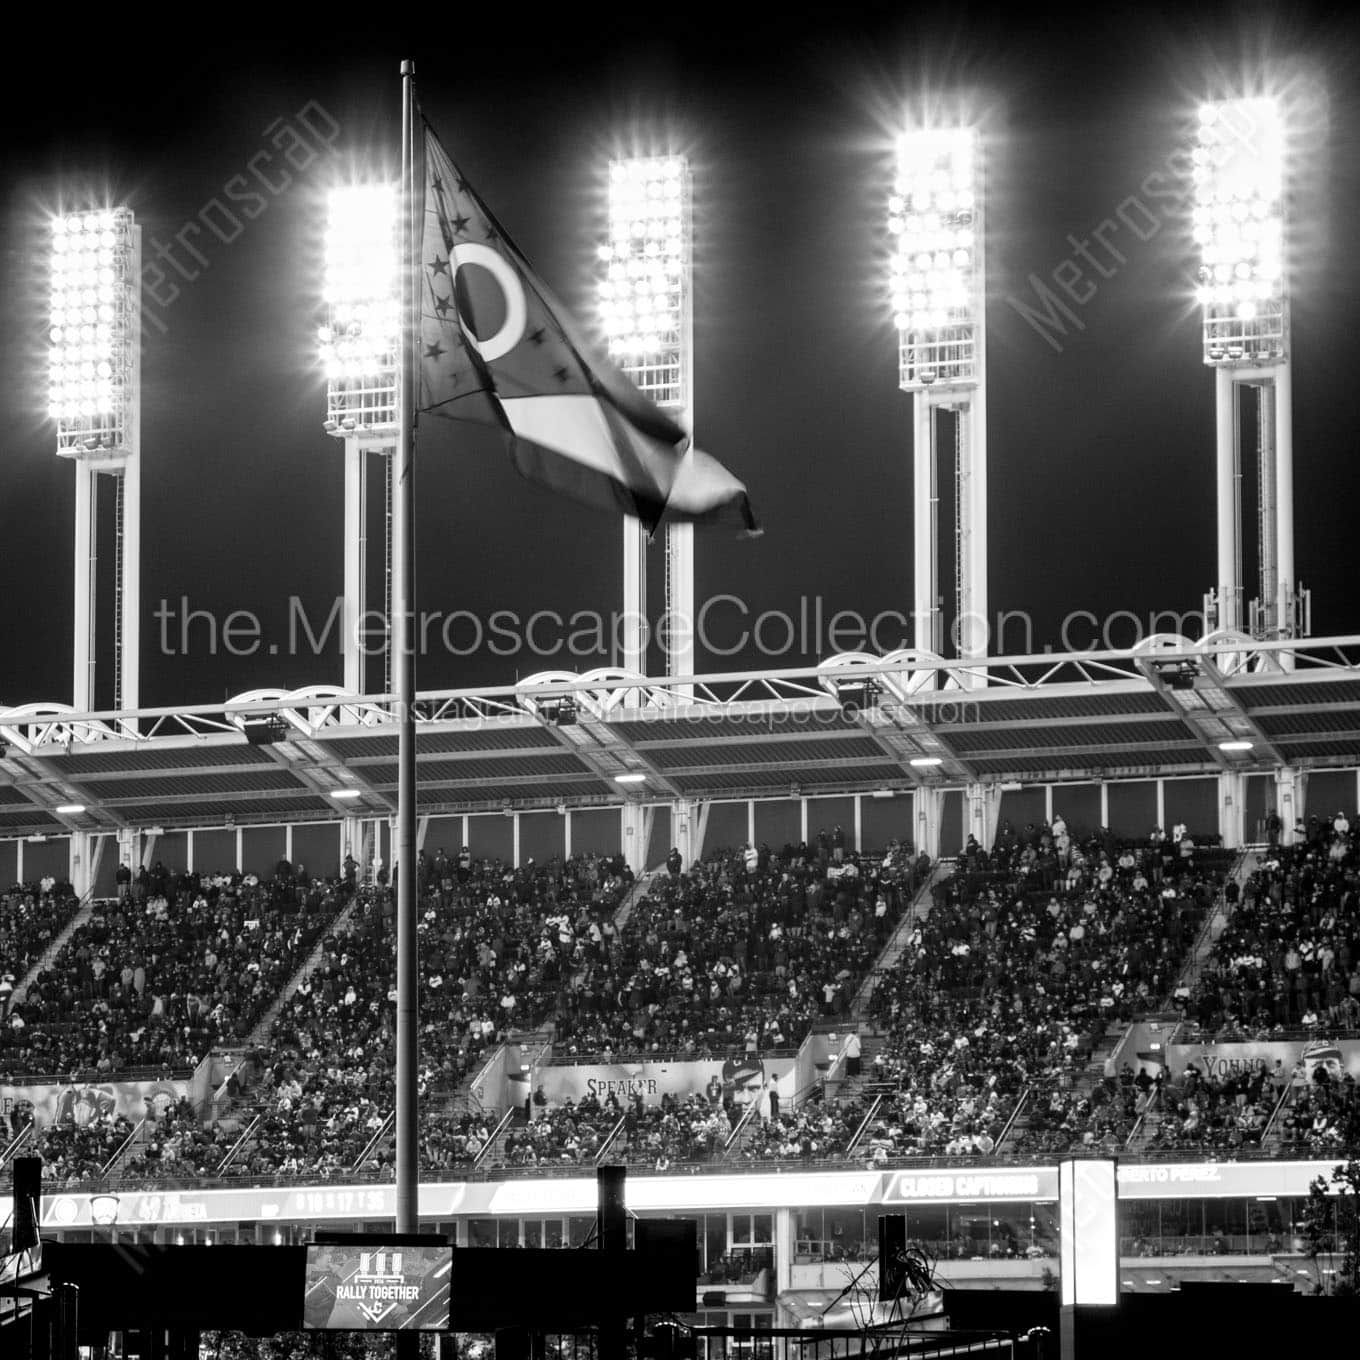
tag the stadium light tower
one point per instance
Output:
(359, 350)
(94, 395)
(647, 316)
(1239, 231)
(938, 291)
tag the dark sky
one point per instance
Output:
(1101, 455)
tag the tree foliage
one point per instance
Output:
(1331, 1228)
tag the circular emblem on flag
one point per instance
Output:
(516, 307)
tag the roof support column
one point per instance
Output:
(1291, 786)
(683, 818)
(926, 802)
(634, 827)
(984, 802)
(1232, 797)
(81, 871)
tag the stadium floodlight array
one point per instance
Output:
(644, 284)
(934, 219)
(93, 340)
(1238, 219)
(360, 340)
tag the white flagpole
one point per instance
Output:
(404, 647)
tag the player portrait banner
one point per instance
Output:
(377, 1288)
(742, 1080)
(1299, 1058)
(83, 1103)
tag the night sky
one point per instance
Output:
(1101, 453)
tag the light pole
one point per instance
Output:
(1243, 293)
(94, 396)
(646, 311)
(359, 342)
(937, 285)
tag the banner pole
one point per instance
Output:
(403, 634)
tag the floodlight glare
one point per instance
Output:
(1238, 225)
(70, 809)
(1235, 745)
(92, 329)
(935, 279)
(361, 337)
(925, 762)
(634, 778)
(643, 273)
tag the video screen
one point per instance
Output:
(377, 1289)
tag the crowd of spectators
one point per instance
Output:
(740, 953)
(813, 1130)
(1204, 1113)
(72, 1153)
(174, 965)
(32, 915)
(1324, 1116)
(1028, 953)
(676, 1130)
(1027, 956)
(497, 946)
(1289, 957)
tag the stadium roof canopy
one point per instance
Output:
(854, 724)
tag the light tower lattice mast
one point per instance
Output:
(94, 395)
(1239, 228)
(647, 315)
(359, 351)
(938, 297)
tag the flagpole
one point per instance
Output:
(404, 644)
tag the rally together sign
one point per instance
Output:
(377, 1288)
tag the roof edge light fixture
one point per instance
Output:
(925, 762)
(94, 396)
(360, 338)
(633, 777)
(1238, 744)
(645, 309)
(937, 292)
(1238, 214)
(346, 795)
(69, 809)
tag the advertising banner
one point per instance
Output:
(744, 1079)
(1220, 1062)
(542, 1195)
(91, 1102)
(379, 1289)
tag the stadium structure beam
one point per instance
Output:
(321, 772)
(94, 396)
(938, 293)
(646, 308)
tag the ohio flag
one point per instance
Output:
(573, 422)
